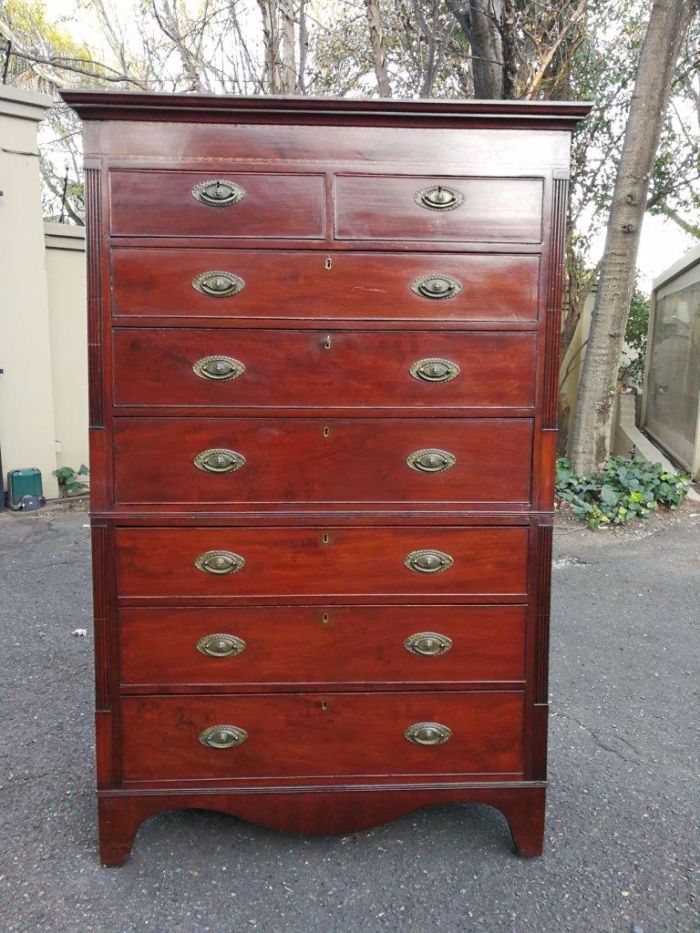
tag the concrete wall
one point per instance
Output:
(43, 389)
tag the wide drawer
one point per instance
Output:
(329, 368)
(314, 285)
(308, 735)
(170, 203)
(405, 207)
(324, 645)
(321, 562)
(298, 461)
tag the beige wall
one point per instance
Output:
(43, 390)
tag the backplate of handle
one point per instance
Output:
(222, 737)
(431, 460)
(217, 283)
(434, 369)
(428, 644)
(218, 192)
(219, 562)
(428, 733)
(436, 286)
(219, 460)
(439, 198)
(428, 560)
(221, 645)
(218, 368)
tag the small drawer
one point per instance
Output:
(405, 207)
(224, 204)
(290, 285)
(299, 461)
(335, 369)
(228, 563)
(315, 735)
(321, 646)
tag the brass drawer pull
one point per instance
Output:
(434, 370)
(223, 736)
(218, 284)
(428, 733)
(221, 645)
(219, 460)
(436, 286)
(218, 193)
(439, 198)
(428, 644)
(428, 561)
(219, 368)
(220, 562)
(431, 460)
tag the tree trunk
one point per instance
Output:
(590, 439)
(376, 38)
(481, 21)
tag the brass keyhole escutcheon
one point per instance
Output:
(325, 618)
(325, 538)
(327, 343)
(328, 264)
(326, 431)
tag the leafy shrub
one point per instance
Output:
(622, 491)
(69, 481)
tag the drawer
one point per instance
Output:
(347, 369)
(298, 461)
(299, 285)
(321, 562)
(324, 645)
(313, 735)
(169, 203)
(405, 207)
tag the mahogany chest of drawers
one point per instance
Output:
(323, 390)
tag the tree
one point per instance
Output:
(592, 428)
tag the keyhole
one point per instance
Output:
(328, 263)
(324, 538)
(327, 343)
(325, 618)
(324, 704)
(326, 431)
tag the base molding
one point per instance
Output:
(321, 812)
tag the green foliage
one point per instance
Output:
(636, 336)
(624, 490)
(69, 481)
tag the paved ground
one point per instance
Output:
(623, 806)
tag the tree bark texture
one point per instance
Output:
(590, 439)
(481, 21)
(377, 42)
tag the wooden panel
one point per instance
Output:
(325, 645)
(161, 204)
(329, 367)
(370, 207)
(316, 735)
(322, 562)
(298, 285)
(303, 460)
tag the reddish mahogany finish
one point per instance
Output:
(299, 461)
(295, 285)
(328, 235)
(323, 645)
(322, 735)
(329, 368)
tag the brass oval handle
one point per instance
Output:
(439, 198)
(428, 644)
(221, 645)
(219, 368)
(218, 284)
(219, 562)
(431, 460)
(217, 192)
(428, 560)
(434, 370)
(219, 460)
(223, 736)
(436, 287)
(428, 733)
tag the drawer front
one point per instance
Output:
(325, 562)
(329, 368)
(307, 735)
(299, 285)
(325, 645)
(371, 207)
(190, 204)
(307, 460)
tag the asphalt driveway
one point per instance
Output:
(622, 812)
